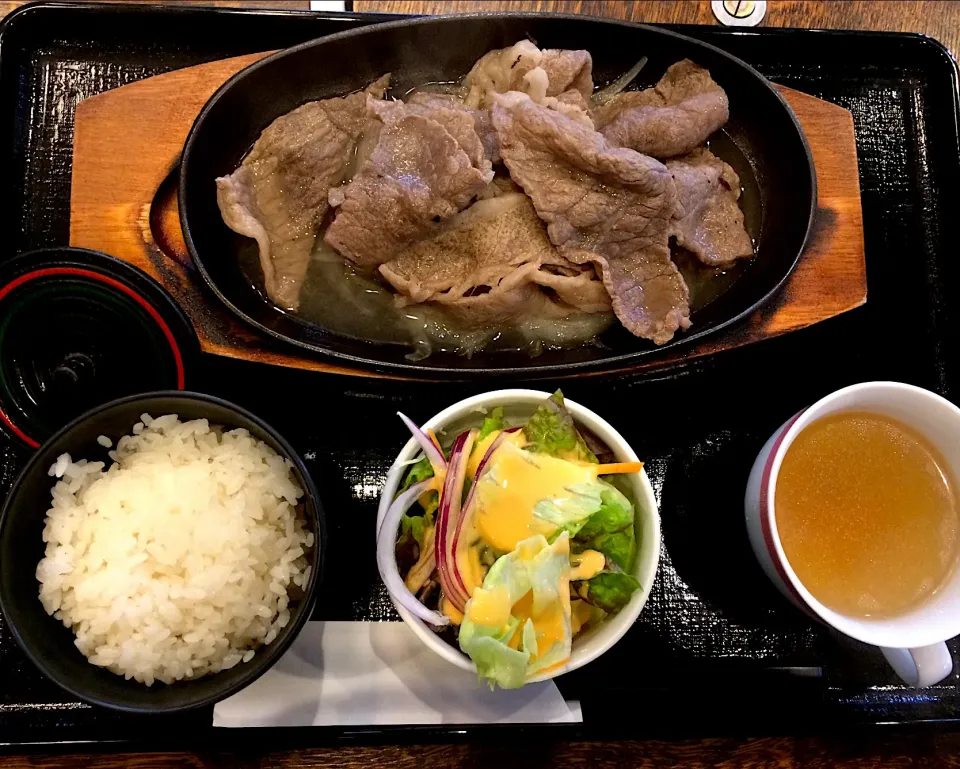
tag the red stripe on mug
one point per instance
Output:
(765, 513)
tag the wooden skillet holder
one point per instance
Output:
(123, 202)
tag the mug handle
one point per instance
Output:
(923, 666)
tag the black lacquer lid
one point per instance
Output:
(79, 328)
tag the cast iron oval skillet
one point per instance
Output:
(423, 50)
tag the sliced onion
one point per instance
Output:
(468, 505)
(429, 447)
(387, 556)
(448, 516)
(409, 462)
(403, 503)
(606, 93)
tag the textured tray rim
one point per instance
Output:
(400, 734)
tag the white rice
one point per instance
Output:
(177, 560)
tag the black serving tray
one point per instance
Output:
(716, 651)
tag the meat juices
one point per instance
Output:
(278, 195)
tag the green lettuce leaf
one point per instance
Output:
(615, 513)
(486, 645)
(529, 641)
(609, 590)
(412, 540)
(610, 529)
(496, 662)
(556, 653)
(619, 547)
(572, 512)
(421, 471)
(533, 566)
(414, 526)
(599, 517)
(493, 421)
(551, 431)
(547, 571)
(511, 570)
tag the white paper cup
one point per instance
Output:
(595, 641)
(913, 642)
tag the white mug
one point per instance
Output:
(913, 642)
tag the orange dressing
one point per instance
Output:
(523, 608)
(490, 607)
(517, 438)
(617, 468)
(554, 666)
(451, 611)
(471, 570)
(505, 498)
(587, 564)
(509, 491)
(550, 626)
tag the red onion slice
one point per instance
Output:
(448, 517)
(387, 556)
(468, 505)
(403, 502)
(429, 447)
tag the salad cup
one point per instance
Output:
(592, 642)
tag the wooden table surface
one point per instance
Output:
(887, 748)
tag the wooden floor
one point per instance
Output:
(891, 749)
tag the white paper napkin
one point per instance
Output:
(380, 673)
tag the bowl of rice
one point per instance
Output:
(160, 552)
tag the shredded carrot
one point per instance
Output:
(433, 437)
(618, 467)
